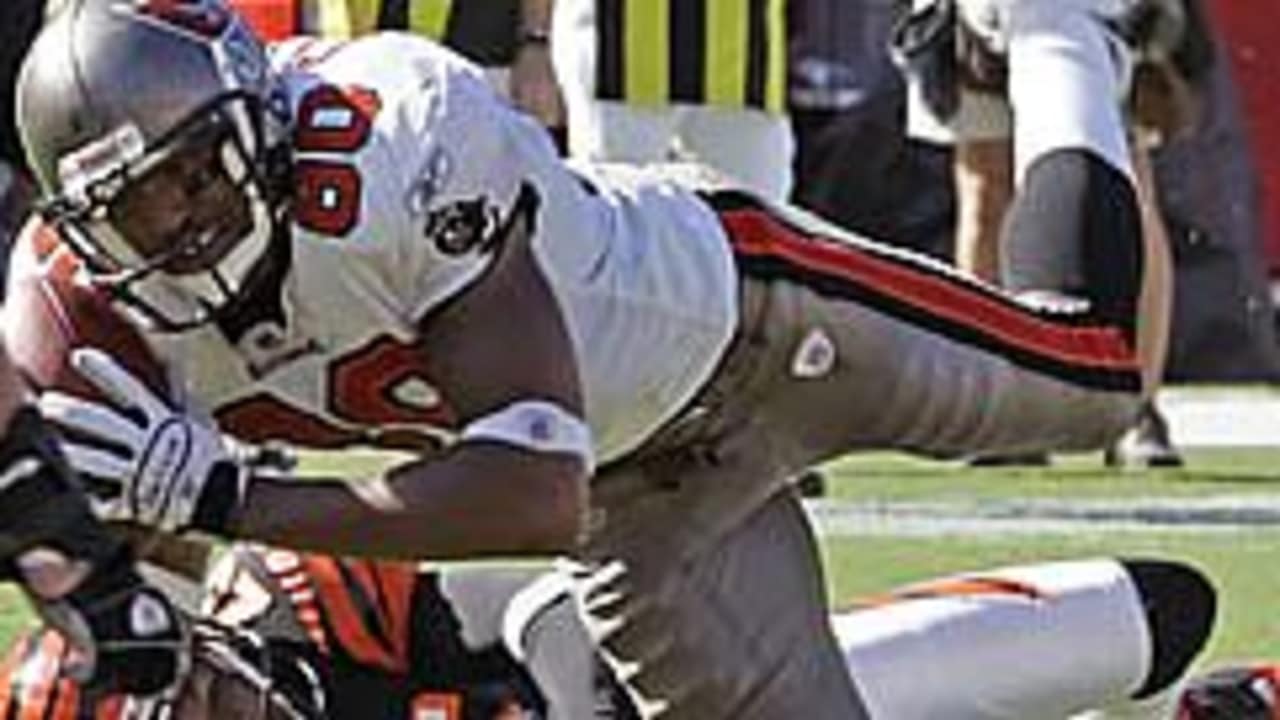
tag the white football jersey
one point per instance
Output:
(405, 161)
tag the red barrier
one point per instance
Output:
(1250, 32)
(271, 19)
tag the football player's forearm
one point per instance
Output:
(484, 500)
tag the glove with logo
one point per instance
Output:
(143, 460)
(81, 578)
(127, 635)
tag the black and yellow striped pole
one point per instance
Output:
(715, 52)
(350, 18)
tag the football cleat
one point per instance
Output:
(1233, 693)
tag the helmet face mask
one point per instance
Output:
(183, 215)
(168, 229)
(172, 203)
(236, 673)
(229, 673)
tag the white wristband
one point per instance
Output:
(536, 425)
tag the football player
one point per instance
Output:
(359, 243)
(229, 675)
(397, 640)
(294, 635)
(1067, 636)
(338, 638)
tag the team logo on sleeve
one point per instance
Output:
(480, 225)
(463, 227)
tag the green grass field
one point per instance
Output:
(1243, 564)
(885, 476)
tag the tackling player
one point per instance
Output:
(1068, 636)
(359, 243)
(333, 638)
(285, 634)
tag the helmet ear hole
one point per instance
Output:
(278, 679)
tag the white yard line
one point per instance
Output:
(1222, 417)
(1214, 514)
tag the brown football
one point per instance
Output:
(48, 313)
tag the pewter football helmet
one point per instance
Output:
(113, 89)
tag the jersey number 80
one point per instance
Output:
(331, 120)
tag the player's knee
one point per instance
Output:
(1075, 227)
(1180, 605)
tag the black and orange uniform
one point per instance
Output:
(379, 638)
(346, 639)
(385, 640)
(33, 683)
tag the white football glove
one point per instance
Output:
(144, 461)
